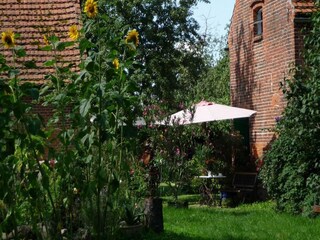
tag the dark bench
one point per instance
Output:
(243, 186)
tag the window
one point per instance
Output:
(258, 22)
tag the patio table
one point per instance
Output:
(210, 193)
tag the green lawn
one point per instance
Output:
(246, 222)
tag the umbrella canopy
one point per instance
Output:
(206, 112)
(140, 122)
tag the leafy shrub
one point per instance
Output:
(291, 171)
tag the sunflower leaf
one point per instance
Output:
(62, 45)
(85, 44)
(46, 48)
(85, 107)
(20, 52)
(30, 64)
(13, 73)
(53, 39)
(49, 63)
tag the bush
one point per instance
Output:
(286, 173)
(291, 167)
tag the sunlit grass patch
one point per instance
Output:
(249, 221)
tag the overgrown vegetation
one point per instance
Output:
(80, 173)
(291, 167)
(77, 175)
(73, 171)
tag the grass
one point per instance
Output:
(246, 222)
(191, 198)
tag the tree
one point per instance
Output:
(171, 48)
(291, 167)
(214, 85)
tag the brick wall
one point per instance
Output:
(46, 113)
(32, 20)
(258, 65)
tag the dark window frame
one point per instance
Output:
(258, 22)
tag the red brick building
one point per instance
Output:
(265, 41)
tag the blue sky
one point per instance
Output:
(218, 14)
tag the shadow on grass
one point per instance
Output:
(167, 235)
(228, 237)
(238, 213)
(224, 211)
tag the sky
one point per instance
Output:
(218, 14)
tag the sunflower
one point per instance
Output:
(45, 39)
(133, 36)
(91, 8)
(74, 33)
(7, 38)
(115, 63)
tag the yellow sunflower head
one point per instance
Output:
(7, 38)
(91, 8)
(133, 36)
(115, 63)
(74, 33)
(45, 39)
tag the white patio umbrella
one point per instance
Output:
(140, 121)
(206, 112)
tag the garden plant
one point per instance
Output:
(79, 174)
(69, 176)
(291, 166)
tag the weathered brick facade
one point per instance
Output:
(258, 63)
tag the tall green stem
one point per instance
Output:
(99, 137)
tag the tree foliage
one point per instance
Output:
(171, 48)
(291, 167)
(215, 84)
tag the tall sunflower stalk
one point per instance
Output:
(28, 150)
(83, 182)
(106, 102)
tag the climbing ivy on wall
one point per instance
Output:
(291, 171)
